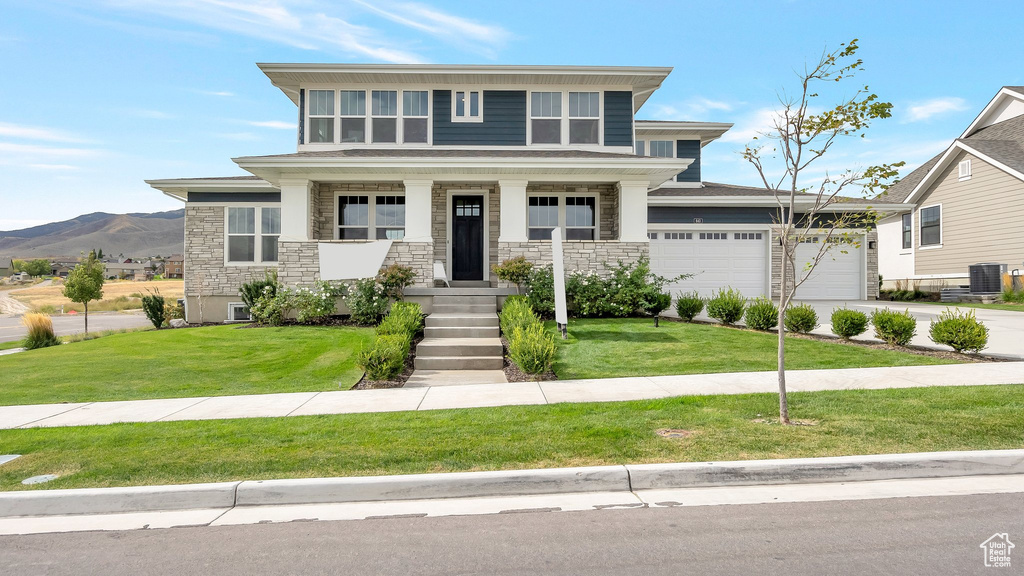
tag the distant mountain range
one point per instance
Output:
(134, 235)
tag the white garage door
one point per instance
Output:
(716, 258)
(838, 275)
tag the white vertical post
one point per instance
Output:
(513, 211)
(558, 268)
(417, 210)
(296, 220)
(633, 211)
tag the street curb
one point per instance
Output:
(628, 478)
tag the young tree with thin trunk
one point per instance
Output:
(85, 283)
(802, 135)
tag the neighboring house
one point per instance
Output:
(466, 166)
(61, 266)
(968, 203)
(128, 271)
(174, 266)
(6, 267)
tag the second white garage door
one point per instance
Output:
(716, 258)
(838, 275)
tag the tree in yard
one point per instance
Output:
(38, 267)
(800, 136)
(85, 284)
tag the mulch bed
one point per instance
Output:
(514, 374)
(410, 361)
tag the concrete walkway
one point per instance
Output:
(519, 393)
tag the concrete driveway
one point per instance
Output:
(11, 328)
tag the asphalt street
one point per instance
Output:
(11, 328)
(927, 535)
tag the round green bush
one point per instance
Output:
(727, 306)
(688, 305)
(801, 319)
(896, 328)
(762, 314)
(960, 331)
(848, 323)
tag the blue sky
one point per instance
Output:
(95, 97)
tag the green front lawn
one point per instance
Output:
(517, 437)
(209, 361)
(605, 348)
(9, 345)
(1004, 306)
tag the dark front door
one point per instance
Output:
(467, 238)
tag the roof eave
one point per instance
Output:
(769, 201)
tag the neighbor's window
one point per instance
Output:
(931, 226)
(353, 217)
(353, 116)
(467, 106)
(908, 231)
(389, 217)
(546, 118)
(321, 115)
(580, 221)
(244, 243)
(384, 111)
(661, 148)
(543, 217)
(415, 113)
(639, 147)
(584, 115)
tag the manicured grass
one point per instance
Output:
(605, 348)
(517, 437)
(9, 345)
(1009, 307)
(209, 361)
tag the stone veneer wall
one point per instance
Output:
(872, 265)
(608, 203)
(299, 262)
(579, 255)
(205, 271)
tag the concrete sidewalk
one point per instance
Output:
(518, 393)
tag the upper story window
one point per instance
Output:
(384, 110)
(546, 117)
(640, 148)
(931, 226)
(467, 106)
(661, 148)
(353, 116)
(246, 242)
(964, 169)
(321, 115)
(364, 217)
(908, 227)
(415, 112)
(584, 117)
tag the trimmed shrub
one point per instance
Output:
(762, 314)
(271, 307)
(661, 303)
(386, 358)
(403, 318)
(540, 291)
(40, 331)
(688, 305)
(367, 301)
(253, 289)
(315, 305)
(726, 306)
(960, 331)
(394, 279)
(896, 328)
(515, 313)
(514, 270)
(532, 348)
(155, 308)
(848, 323)
(801, 319)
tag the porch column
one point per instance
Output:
(513, 211)
(296, 220)
(417, 210)
(633, 211)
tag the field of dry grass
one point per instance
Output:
(117, 295)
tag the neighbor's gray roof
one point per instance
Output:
(899, 191)
(443, 153)
(715, 189)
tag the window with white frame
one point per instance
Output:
(353, 116)
(965, 169)
(577, 215)
(580, 218)
(543, 216)
(908, 231)
(246, 242)
(584, 117)
(546, 118)
(321, 116)
(384, 116)
(380, 217)
(415, 116)
(931, 226)
(467, 106)
(238, 312)
(661, 148)
(639, 147)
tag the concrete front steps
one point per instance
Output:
(461, 333)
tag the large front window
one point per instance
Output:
(249, 243)
(546, 117)
(580, 223)
(577, 215)
(363, 217)
(584, 117)
(543, 217)
(931, 226)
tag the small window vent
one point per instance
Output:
(965, 169)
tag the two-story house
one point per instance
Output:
(457, 168)
(174, 267)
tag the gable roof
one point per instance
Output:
(899, 191)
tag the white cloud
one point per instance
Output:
(752, 124)
(21, 131)
(925, 110)
(447, 27)
(223, 94)
(276, 124)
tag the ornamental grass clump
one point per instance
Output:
(516, 313)
(40, 331)
(726, 306)
(848, 323)
(385, 359)
(688, 305)
(403, 318)
(801, 319)
(762, 314)
(532, 348)
(896, 328)
(960, 331)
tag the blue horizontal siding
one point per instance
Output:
(618, 119)
(689, 149)
(504, 120)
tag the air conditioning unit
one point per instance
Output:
(987, 278)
